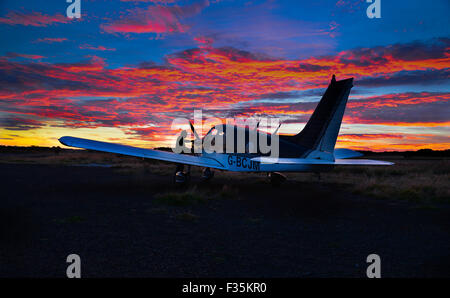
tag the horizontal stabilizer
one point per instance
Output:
(313, 161)
(362, 162)
(346, 153)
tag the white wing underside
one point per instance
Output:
(311, 161)
(141, 152)
(220, 162)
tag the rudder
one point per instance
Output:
(320, 133)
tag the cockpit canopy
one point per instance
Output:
(236, 139)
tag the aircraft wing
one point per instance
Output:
(141, 152)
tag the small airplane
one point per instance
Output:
(311, 150)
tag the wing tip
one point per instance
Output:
(381, 162)
(65, 140)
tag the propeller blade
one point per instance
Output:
(276, 130)
(257, 125)
(193, 130)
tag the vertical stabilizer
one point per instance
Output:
(320, 133)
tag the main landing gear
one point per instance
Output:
(182, 177)
(207, 174)
(276, 178)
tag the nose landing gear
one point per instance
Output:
(183, 178)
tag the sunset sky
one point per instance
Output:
(126, 68)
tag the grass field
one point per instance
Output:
(420, 180)
(125, 217)
(425, 181)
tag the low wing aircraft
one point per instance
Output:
(311, 150)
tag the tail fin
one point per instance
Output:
(321, 131)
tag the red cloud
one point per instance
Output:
(51, 40)
(369, 136)
(20, 123)
(98, 48)
(152, 1)
(148, 26)
(226, 81)
(156, 19)
(396, 100)
(36, 19)
(26, 56)
(204, 41)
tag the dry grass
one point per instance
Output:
(65, 157)
(120, 163)
(187, 216)
(412, 180)
(182, 198)
(194, 195)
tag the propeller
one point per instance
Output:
(197, 140)
(257, 125)
(193, 130)
(276, 130)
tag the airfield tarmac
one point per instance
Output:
(120, 226)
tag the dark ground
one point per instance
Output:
(111, 219)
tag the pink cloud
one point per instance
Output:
(51, 40)
(98, 48)
(203, 41)
(228, 82)
(26, 56)
(152, 1)
(36, 19)
(156, 19)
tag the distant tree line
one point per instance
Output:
(404, 154)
